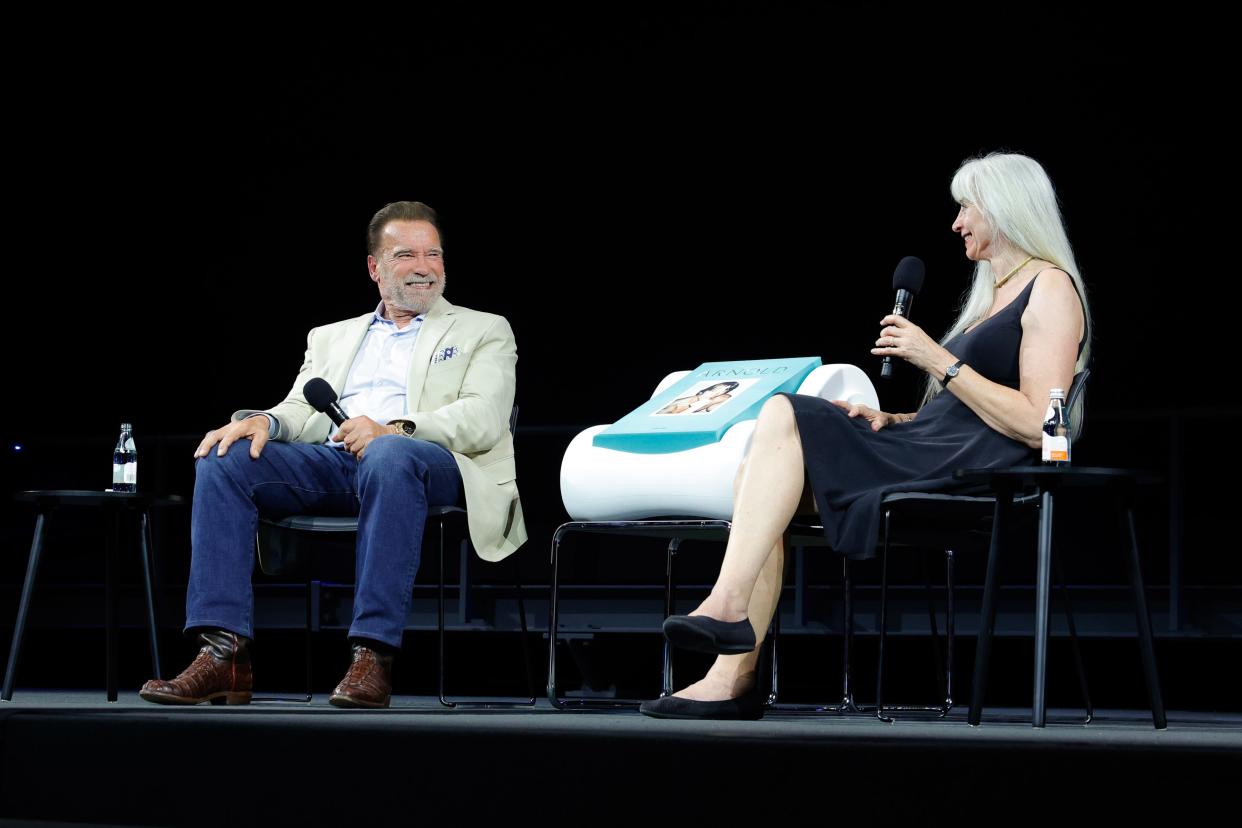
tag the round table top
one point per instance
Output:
(92, 497)
(1061, 476)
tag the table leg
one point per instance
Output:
(19, 629)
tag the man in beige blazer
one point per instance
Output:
(428, 388)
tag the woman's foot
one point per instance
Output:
(710, 699)
(704, 634)
(718, 688)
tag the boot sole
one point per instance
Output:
(338, 700)
(223, 697)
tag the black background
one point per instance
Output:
(637, 189)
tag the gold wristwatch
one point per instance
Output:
(405, 428)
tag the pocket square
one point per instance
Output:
(445, 354)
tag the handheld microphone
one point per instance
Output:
(320, 395)
(907, 281)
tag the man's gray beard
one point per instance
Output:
(422, 307)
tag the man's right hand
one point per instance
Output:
(254, 429)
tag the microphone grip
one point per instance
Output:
(901, 308)
(905, 299)
(336, 413)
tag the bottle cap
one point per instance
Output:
(1056, 394)
(126, 427)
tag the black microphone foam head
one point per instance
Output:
(909, 274)
(318, 393)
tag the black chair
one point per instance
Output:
(675, 531)
(950, 522)
(801, 534)
(280, 551)
(986, 507)
(806, 533)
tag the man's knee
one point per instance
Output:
(212, 465)
(391, 454)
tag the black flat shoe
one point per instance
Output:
(748, 706)
(707, 635)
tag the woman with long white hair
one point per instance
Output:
(1024, 328)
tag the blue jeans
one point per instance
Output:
(389, 490)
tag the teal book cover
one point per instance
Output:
(700, 407)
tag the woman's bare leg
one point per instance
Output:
(767, 493)
(731, 676)
(769, 489)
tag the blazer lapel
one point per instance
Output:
(439, 319)
(353, 335)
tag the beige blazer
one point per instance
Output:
(459, 396)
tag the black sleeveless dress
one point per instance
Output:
(851, 468)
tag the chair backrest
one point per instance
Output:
(1077, 391)
(278, 542)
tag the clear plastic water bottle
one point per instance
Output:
(125, 462)
(1056, 441)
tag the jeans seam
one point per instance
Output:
(255, 486)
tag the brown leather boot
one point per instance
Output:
(368, 682)
(220, 674)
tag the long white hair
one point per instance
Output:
(1016, 197)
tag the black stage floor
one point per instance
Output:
(68, 756)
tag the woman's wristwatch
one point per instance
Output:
(951, 372)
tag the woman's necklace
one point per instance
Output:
(1015, 270)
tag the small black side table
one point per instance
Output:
(1049, 482)
(113, 503)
